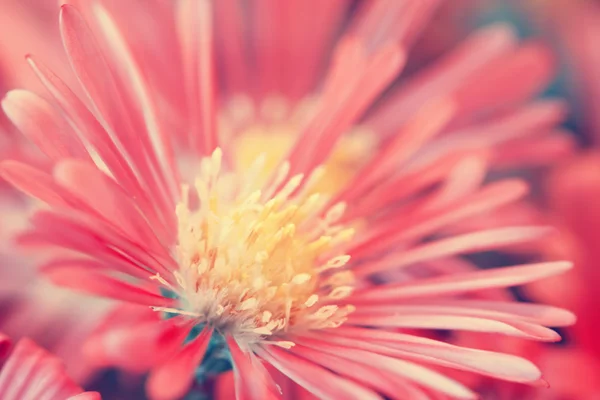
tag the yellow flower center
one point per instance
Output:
(260, 259)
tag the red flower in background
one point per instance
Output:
(31, 373)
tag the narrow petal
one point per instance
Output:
(421, 224)
(173, 379)
(361, 373)
(34, 182)
(461, 283)
(98, 283)
(403, 369)
(103, 195)
(41, 124)
(492, 239)
(483, 47)
(497, 365)
(99, 84)
(313, 378)
(251, 380)
(458, 322)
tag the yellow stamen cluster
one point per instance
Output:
(258, 261)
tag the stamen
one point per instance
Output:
(251, 263)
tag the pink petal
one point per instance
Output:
(529, 120)
(40, 122)
(426, 123)
(31, 374)
(530, 312)
(86, 396)
(252, 382)
(420, 224)
(461, 283)
(471, 242)
(317, 380)
(482, 48)
(93, 238)
(550, 148)
(83, 265)
(97, 283)
(399, 368)
(457, 322)
(138, 347)
(159, 145)
(361, 373)
(533, 63)
(83, 122)
(405, 185)
(173, 379)
(497, 365)
(556, 317)
(358, 84)
(34, 182)
(98, 82)
(108, 200)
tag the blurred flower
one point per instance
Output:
(294, 220)
(55, 318)
(572, 193)
(573, 26)
(31, 373)
(570, 198)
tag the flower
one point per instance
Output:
(56, 319)
(572, 192)
(32, 373)
(573, 27)
(157, 198)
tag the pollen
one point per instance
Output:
(257, 260)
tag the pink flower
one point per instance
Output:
(573, 191)
(57, 319)
(573, 368)
(574, 27)
(31, 373)
(267, 220)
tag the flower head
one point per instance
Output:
(277, 259)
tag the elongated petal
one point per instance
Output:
(401, 368)
(173, 379)
(471, 242)
(460, 283)
(454, 322)
(34, 182)
(497, 365)
(361, 373)
(315, 379)
(43, 126)
(99, 192)
(251, 381)
(103, 285)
